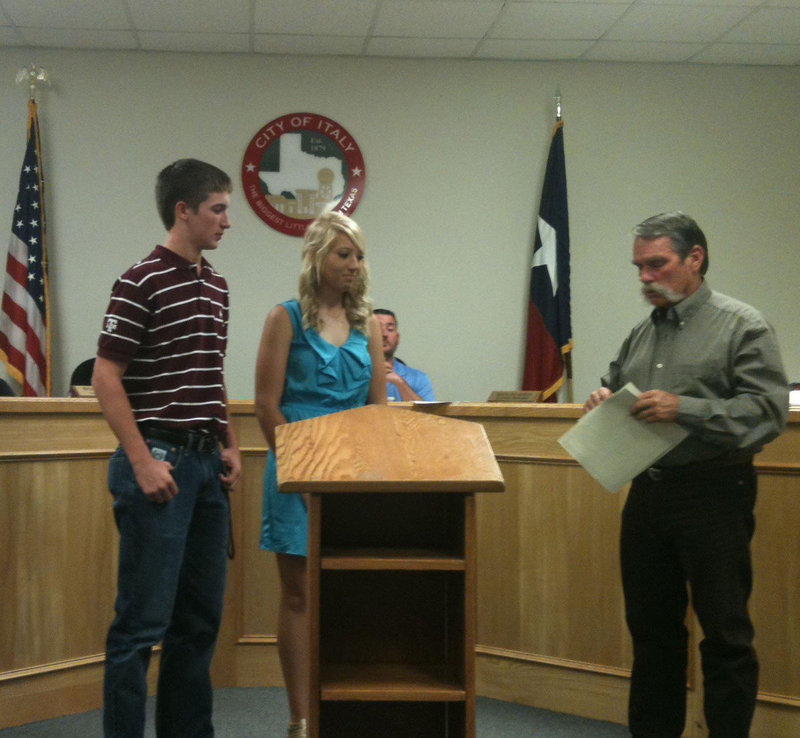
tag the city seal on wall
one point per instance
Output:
(299, 166)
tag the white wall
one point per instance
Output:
(455, 155)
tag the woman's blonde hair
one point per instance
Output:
(317, 244)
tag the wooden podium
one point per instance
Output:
(391, 567)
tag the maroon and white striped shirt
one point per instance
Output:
(170, 326)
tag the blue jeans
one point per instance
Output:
(693, 529)
(171, 584)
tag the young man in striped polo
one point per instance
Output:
(158, 377)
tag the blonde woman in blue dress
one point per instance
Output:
(319, 354)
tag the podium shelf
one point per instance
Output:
(390, 682)
(387, 559)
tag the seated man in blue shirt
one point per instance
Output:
(402, 381)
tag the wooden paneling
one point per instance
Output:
(775, 604)
(551, 629)
(256, 568)
(40, 428)
(58, 558)
(552, 538)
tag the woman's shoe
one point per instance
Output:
(298, 729)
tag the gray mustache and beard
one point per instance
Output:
(658, 289)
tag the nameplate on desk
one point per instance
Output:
(515, 396)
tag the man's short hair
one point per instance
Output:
(190, 181)
(384, 311)
(683, 232)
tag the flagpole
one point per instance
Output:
(37, 76)
(568, 355)
(549, 334)
(25, 312)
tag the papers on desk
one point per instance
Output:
(613, 446)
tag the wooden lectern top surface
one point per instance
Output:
(382, 449)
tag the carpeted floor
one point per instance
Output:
(262, 713)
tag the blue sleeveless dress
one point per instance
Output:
(320, 379)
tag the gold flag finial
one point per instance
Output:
(33, 76)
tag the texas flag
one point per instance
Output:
(549, 336)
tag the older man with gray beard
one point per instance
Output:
(711, 364)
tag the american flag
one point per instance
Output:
(24, 332)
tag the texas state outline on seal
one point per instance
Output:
(299, 166)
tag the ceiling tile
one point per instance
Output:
(768, 26)
(62, 14)
(749, 54)
(682, 23)
(308, 45)
(694, 31)
(436, 18)
(642, 51)
(421, 47)
(314, 17)
(736, 3)
(10, 37)
(531, 49)
(556, 20)
(209, 16)
(195, 42)
(79, 39)
(584, 2)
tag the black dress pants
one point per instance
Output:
(694, 528)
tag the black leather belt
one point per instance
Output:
(658, 473)
(202, 441)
